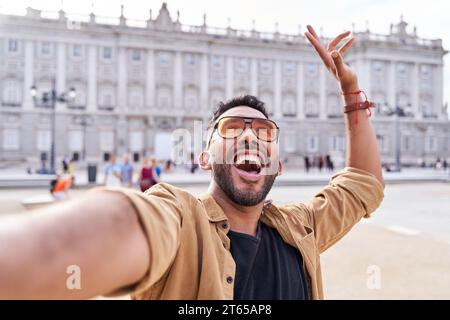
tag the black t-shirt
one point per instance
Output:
(267, 268)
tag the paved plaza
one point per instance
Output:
(407, 242)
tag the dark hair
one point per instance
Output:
(247, 101)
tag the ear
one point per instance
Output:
(280, 167)
(204, 160)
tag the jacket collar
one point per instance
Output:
(215, 212)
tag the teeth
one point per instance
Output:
(250, 158)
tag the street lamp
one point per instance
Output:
(48, 100)
(396, 113)
(84, 120)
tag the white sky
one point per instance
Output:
(431, 17)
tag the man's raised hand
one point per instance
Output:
(333, 59)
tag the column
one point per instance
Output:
(300, 91)
(322, 93)
(438, 98)
(150, 79)
(392, 101)
(92, 78)
(29, 75)
(367, 85)
(204, 83)
(415, 92)
(178, 81)
(254, 77)
(278, 113)
(122, 79)
(61, 67)
(229, 81)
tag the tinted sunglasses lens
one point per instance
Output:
(230, 127)
(264, 129)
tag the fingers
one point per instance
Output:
(338, 62)
(324, 55)
(342, 50)
(311, 30)
(333, 43)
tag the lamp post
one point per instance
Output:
(84, 120)
(396, 113)
(48, 100)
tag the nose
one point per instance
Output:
(248, 136)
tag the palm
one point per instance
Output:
(341, 71)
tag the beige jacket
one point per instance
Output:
(190, 252)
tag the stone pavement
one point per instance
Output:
(405, 245)
(17, 177)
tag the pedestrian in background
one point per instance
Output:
(127, 172)
(113, 172)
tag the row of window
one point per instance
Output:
(242, 64)
(402, 69)
(76, 141)
(165, 58)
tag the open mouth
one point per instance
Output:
(248, 166)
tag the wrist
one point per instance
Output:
(351, 87)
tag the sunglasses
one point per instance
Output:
(232, 127)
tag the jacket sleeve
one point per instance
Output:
(351, 195)
(160, 213)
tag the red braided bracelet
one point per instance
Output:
(364, 105)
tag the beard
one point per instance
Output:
(222, 176)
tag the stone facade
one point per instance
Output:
(138, 81)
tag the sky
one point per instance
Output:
(430, 17)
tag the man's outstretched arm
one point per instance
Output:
(100, 233)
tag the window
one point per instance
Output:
(107, 142)
(136, 55)
(334, 107)
(289, 106)
(136, 156)
(312, 144)
(107, 53)
(312, 69)
(401, 69)
(406, 143)
(136, 97)
(243, 64)
(77, 50)
(268, 102)
(378, 67)
(10, 139)
(44, 138)
(266, 66)
(216, 61)
(383, 143)
(136, 141)
(107, 100)
(45, 48)
(337, 143)
(430, 144)
(425, 71)
(289, 142)
(190, 100)
(311, 107)
(13, 45)
(189, 59)
(163, 99)
(164, 57)
(75, 140)
(12, 95)
(289, 68)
